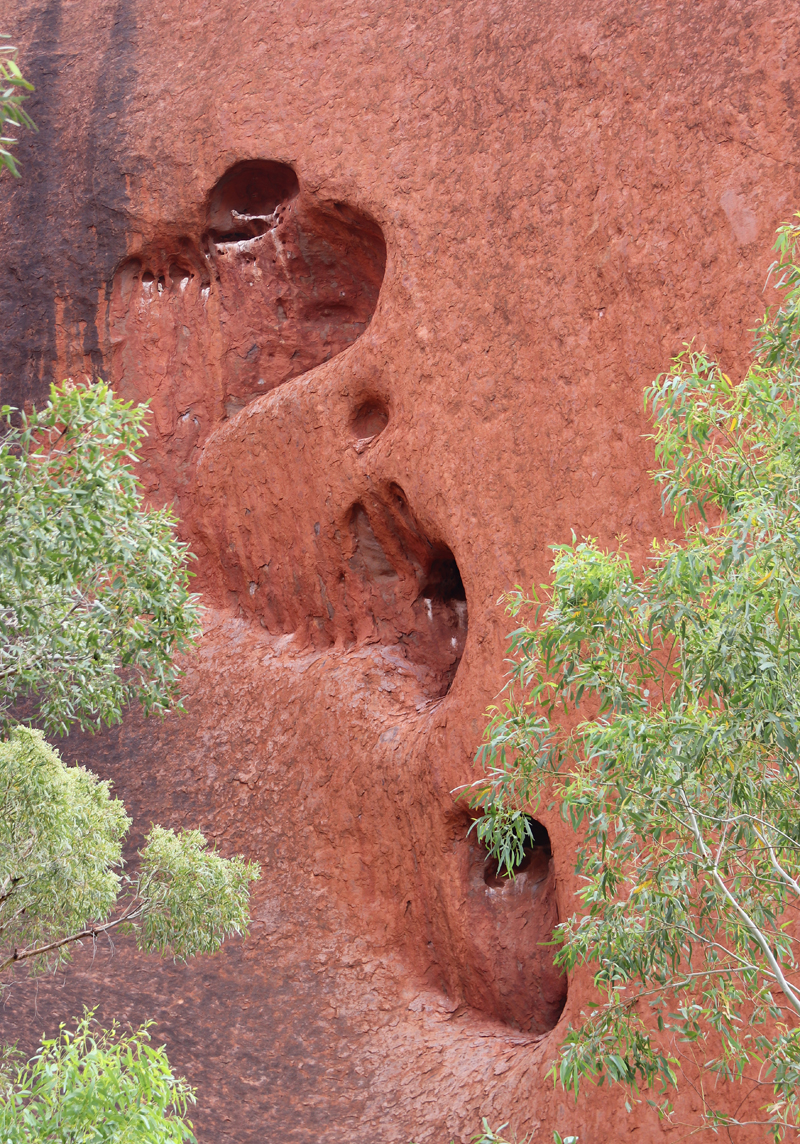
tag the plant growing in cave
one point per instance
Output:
(682, 780)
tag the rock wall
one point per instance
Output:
(393, 278)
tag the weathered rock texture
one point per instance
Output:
(393, 277)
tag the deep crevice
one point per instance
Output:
(411, 586)
(505, 970)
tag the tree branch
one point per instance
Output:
(18, 955)
(758, 937)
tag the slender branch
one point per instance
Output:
(5, 894)
(18, 955)
(791, 995)
(787, 878)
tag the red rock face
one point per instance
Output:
(203, 322)
(393, 278)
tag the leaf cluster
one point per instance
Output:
(14, 89)
(62, 876)
(94, 588)
(489, 1135)
(682, 778)
(93, 1086)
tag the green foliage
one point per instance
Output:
(61, 839)
(95, 1087)
(61, 836)
(192, 898)
(14, 89)
(682, 780)
(94, 607)
(487, 1135)
(94, 600)
(506, 831)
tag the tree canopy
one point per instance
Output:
(94, 586)
(61, 868)
(95, 611)
(682, 778)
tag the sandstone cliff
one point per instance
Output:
(393, 277)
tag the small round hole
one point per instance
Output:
(370, 418)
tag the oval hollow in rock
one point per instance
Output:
(507, 970)
(410, 587)
(243, 203)
(370, 418)
(442, 619)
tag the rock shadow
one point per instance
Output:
(501, 961)
(204, 320)
(405, 590)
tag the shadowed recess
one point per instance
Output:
(504, 967)
(369, 418)
(205, 319)
(409, 584)
(244, 202)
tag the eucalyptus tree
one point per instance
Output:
(95, 607)
(95, 614)
(661, 711)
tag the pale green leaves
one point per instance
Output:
(14, 89)
(489, 1135)
(95, 1087)
(94, 599)
(61, 838)
(507, 831)
(61, 877)
(684, 780)
(191, 897)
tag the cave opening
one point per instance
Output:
(244, 202)
(442, 618)
(444, 579)
(506, 969)
(411, 586)
(535, 860)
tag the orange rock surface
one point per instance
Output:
(393, 278)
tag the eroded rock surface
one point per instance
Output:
(204, 320)
(392, 278)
